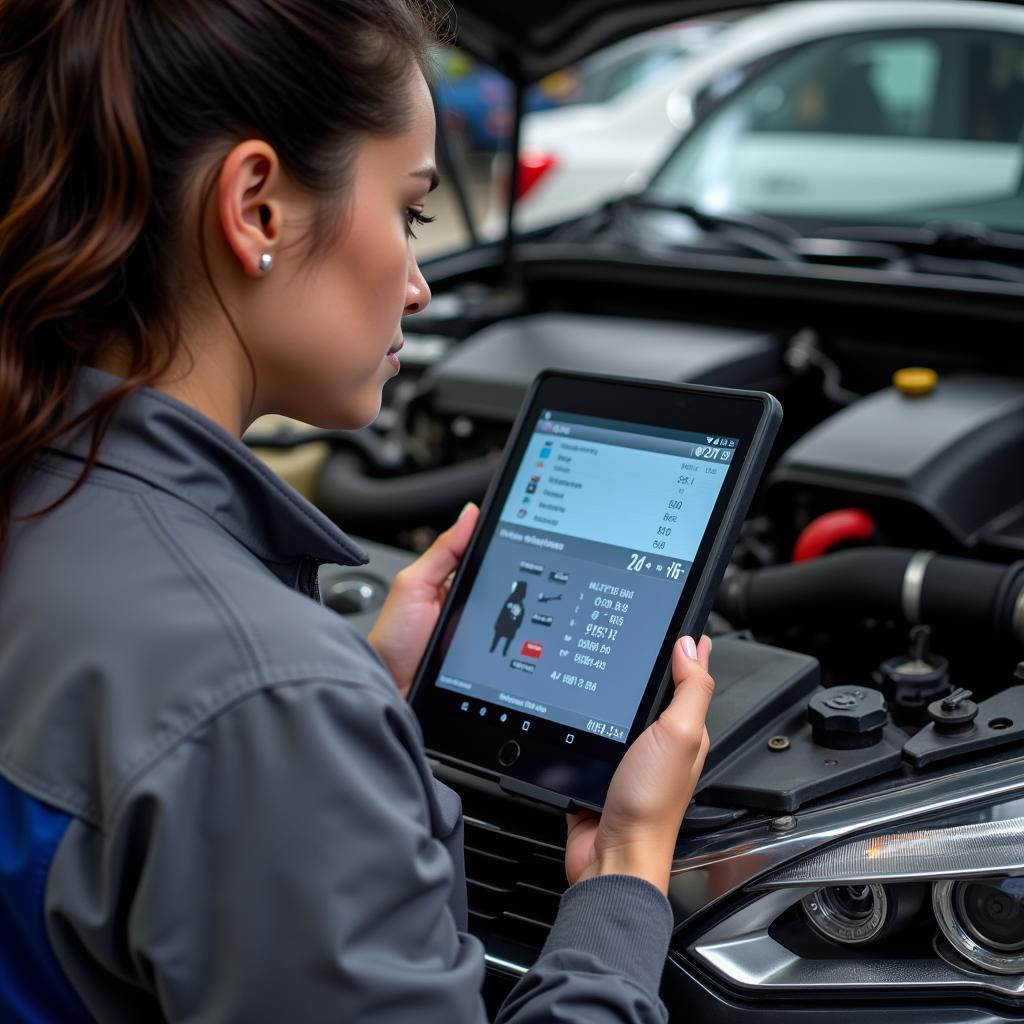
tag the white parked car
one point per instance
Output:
(847, 71)
(609, 95)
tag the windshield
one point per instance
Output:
(907, 127)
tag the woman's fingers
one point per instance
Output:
(688, 708)
(704, 651)
(441, 559)
(686, 650)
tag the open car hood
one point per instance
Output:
(528, 39)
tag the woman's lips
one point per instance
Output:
(392, 354)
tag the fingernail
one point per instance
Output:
(465, 509)
(689, 647)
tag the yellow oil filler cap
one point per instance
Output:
(914, 381)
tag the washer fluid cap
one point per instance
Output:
(914, 381)
(847, 717)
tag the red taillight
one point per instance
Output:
(533, 165)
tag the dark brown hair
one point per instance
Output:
(107, 108)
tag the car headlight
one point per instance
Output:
(983, 919)
(858, 915)
(933, 910)
(852, 914)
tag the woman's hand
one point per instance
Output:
(649, 793)
(410, 612)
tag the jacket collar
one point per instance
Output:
(171, 446)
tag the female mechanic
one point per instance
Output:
(214, 804)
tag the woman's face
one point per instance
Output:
(324, 329)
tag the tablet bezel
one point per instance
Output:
(545, 767)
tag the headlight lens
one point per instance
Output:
(992, 914)
(851, 914)
(856, 915)
(982, 849)
(983, 919)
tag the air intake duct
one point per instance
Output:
(917, 586)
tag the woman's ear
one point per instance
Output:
(248, 209)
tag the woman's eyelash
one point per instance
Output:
(416, 217)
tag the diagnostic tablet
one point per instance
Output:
(603, 538)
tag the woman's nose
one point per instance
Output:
(417, 296)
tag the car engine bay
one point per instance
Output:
(868, 636)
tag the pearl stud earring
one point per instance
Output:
(266, 262)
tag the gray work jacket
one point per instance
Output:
(214, 803)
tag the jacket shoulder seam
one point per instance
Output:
(239, 691)
(63, 800)
(242, 687)
(90, 481)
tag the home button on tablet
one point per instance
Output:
(508, 753)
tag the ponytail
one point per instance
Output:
(107, 109)
(74, 194)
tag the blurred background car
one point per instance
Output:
(912, 110)
(937, 88)
(612, 123)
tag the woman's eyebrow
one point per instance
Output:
(430, 173)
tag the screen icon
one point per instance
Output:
(569, 737)
(464, 706)
(526, 726)
(545, 452)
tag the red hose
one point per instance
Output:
(832, 528)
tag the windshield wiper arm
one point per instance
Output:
(764, 236)
(963, 240)
(956, 248)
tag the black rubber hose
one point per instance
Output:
(871, 581)
(357, 501)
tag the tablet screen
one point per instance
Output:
(585, 569)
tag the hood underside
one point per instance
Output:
(529, 39)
